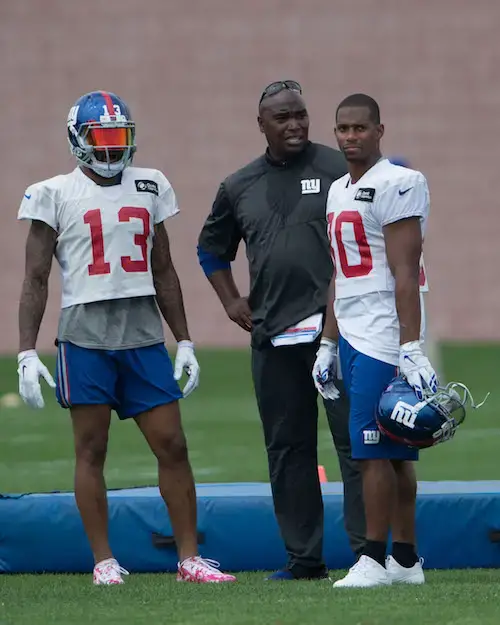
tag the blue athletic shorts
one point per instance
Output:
(131, 381)
(365, 379)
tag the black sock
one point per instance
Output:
(404, 554)
(376, 550)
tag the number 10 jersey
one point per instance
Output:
(105, 234)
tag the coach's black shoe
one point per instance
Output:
(287, 574)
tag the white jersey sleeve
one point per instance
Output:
(39, 204)
(403, 198)
(166, 205)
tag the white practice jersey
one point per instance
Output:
(105, 234)
(365, 305)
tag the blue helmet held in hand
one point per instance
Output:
(422, 423)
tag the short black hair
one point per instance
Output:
(361, 99)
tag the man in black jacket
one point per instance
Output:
(277, 205)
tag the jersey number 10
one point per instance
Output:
(366, 261)
(365, 265)
(99, 265)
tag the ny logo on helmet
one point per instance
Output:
(405, 414)
(72, 116)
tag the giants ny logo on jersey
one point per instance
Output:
(310, 185)
(371, 437)
(405, 414)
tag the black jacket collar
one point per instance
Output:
(296, 158)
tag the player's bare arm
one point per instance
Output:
(403, 242)
(331, 329)
(236, 307)
(167, 285)
(40, 246)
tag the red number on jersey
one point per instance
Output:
(126, 214)
(422, 277)
(99, 266)
(366, 264)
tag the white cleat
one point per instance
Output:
(402, 575)
(366, 573)
(108, 573)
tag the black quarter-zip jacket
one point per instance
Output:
(279, 210)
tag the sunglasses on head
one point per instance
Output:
(280, 85)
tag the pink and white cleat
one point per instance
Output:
(108, 573)
(201, 571)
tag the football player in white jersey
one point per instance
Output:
(377, 215)
(104, 223)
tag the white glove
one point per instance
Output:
(325, 368)
(30, 368)
(185, 360)
(416, 368)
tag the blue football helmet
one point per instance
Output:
(405, 419)
(101, 133)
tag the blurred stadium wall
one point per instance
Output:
(192, 71)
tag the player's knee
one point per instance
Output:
(91, 450)
(406, 480)
(374, 466)
(171, 449)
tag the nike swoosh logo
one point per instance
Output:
(28, 196)
(405, 191)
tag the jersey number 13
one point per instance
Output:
(99, 265)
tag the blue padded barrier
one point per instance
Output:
(456, 524)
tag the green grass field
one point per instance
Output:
(226, 445)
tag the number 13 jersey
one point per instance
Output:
(105, 234)
(365, 305)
